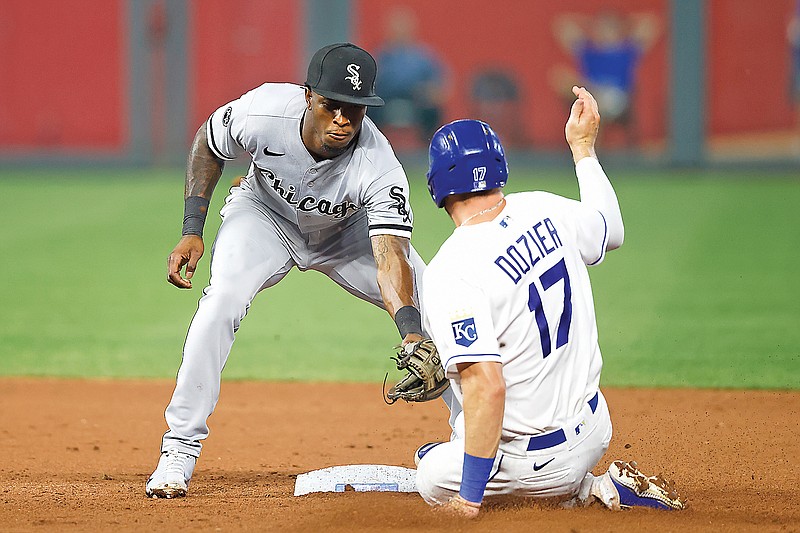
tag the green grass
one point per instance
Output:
(703, 293)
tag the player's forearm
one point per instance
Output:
(203, 168)
(484, 404)
(596, 191)
(395, 273)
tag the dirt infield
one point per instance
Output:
(74, 456)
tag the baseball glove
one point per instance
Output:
(425, 379)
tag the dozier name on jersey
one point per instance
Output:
(537, 242)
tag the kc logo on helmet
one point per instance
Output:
(464, 332)
(355, 77)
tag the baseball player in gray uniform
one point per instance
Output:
(508, 303)
(324, 192)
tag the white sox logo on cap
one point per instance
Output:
(345, 73)
(355, 77)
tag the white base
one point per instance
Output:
(359, 478)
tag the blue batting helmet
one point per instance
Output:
(465, 156)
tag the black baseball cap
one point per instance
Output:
(344, 72)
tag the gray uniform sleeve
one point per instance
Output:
(225, 128)
(388, 209)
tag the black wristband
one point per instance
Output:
(408, 320)
(195, 209)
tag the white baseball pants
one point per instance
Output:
(561, 470)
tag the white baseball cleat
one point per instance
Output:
(635, 489)
(172, 475)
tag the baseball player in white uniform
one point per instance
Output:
(508, 302)
(324, 192)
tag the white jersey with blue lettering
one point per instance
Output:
(312, 195)
(516, 290)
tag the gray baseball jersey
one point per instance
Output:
(312, 195)
(290, 211)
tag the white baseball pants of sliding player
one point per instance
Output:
(543, 466)
(254, 249)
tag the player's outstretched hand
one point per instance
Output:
(188, 252)
(583, 124)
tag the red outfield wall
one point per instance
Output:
(747, 58)
(64, 77)
(240, 44)
(749, 66)
(518, 36)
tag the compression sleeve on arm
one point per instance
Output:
(596, 191)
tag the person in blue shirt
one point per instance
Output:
(607, 50)
(410, 79)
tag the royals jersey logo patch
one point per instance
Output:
(464, 332)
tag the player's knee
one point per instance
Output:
(424, 487)
(429, 487)
(437, 481)
(226, 301)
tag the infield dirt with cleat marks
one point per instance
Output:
(75, 455)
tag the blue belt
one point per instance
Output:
(554, 438)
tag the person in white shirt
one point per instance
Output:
(508, 302)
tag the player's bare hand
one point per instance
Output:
(583, 124)
(458, 506)
(187, 253)
(412, 337)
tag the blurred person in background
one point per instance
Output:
(410, 79)
(793, 35)
(607, 49)
(496, 99)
